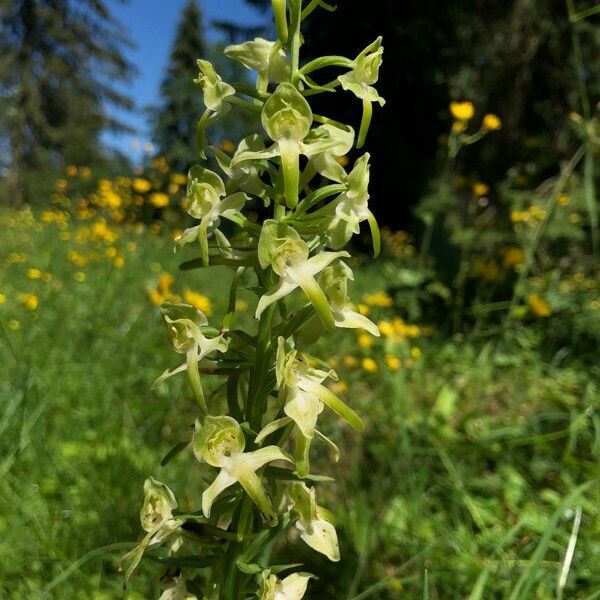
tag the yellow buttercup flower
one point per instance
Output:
(85, 172)
(71, 170)
(165, 282)
(462, 111)
(118, 261)
(492, 122)
(575, 218)
(155, 297)
(141, 185)
(386, 328)
(363, 309)
(13, 324)
(199, 301)
(61, 185)
(2, 298)
(178, 179)
(365, 340)
(480, 189)
(563, 199)
(34, 273)
(369, 365)
(513, 257)
(339, 388)
(29, 301)
(415, 352)
(79, 276)
(538, 306)
(159, 199)
(393, 362)
(380, 299)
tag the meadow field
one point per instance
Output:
(476, 476)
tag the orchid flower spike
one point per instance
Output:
(157, 520)
(206, 201)
(360, 82)
(281, 247)
(220, 442)
(334, 281)
(292, 587)
(313, 521)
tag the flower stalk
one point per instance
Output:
(253, 436)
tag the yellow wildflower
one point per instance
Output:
(537, 213)
(415, 352)
(458, 126)
(34, 273)
(77, 259)
(155, 297)
(579, 278)
(480, 189)
(538, 306)
(165, 282)
(393, 362)
(159, 199)
(85, 172)
(178, 179)
(563, 199)
(2, 298)
(71, 170)
(141, 185)
(349, 361)
(61, 185)
(380, 299)
(386, 328)
(79, 276)
(492, 122)
(111, 252)
(462, 111)
(595, 304)
(363, 309)
(14, 325)
(173, 189)
(369, 365)
(575, 218)
(513, 257)
(365, 340)
(199, 301)
(131, 246)
(46, 277)
(118, 261)
(29, 301)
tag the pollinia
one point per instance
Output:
(259, 486)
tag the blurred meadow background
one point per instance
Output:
(477, 476)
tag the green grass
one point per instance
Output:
(476, 457)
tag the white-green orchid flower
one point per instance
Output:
(286, 117)
(244, 174)
(360, 82)
(282, 248)
(325, 145)
(314, 522)
(157, 520)
(215, 90)
(215, 93)
(351, 208)
(220, 442)
(177, 591)
(207, 201)
(265, 57)
(303, 395)
(292, 587)
(334, 281)
(187, 327)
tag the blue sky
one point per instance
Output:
(151, 25)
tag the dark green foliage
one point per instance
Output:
(60, 60)
(174, 121)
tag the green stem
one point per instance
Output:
(365, 122)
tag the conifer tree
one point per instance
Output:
(60, 60)
(174, 121)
